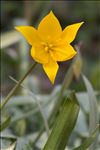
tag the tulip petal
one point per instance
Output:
(63, 53)
(49, 27)
(39, 54)
(70, 32)
(51, 69)
(30, 33)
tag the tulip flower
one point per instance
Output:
(50, 44)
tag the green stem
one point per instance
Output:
(16, 86)
(65, 85)
(67, 81)
(38, 104)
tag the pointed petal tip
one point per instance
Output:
(51, 70)
(51, 12)
(52, 81)
(81, 22)
(17, 28)
(75, 52)
(52, 78)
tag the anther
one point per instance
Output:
(50, 45)
(46, 48)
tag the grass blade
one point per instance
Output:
(88, 141)
(5, 124)
(93, 114)
(63, 125)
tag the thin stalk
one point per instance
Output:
(65, 85)
(58, 102)
(16, 86)
(38, 104)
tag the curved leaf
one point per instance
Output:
(5, 124)
(93, 112)
(88, 141)
(63, 125)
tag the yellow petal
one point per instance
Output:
(30, 33)
(51, 69)
(63, 53)
(39, 54)
(49, 27)
(70, 32)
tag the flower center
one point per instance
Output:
(47, 47)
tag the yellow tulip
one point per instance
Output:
(50, 43)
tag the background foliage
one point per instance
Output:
(26, 121)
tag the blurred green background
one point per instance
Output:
(68, 12)
(15, 61)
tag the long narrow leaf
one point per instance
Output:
(93, 112)
(88, 141)
(5, 124)
(66, 83)
(63, 125)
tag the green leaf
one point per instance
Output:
(63, 125)
(66, 83)
(88, 141)
(5, 124)
(77, 62)
(93, 112)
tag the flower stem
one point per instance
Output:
(16, 86)
(38, 104)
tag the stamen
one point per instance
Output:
(50, 45)
(46, 48)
